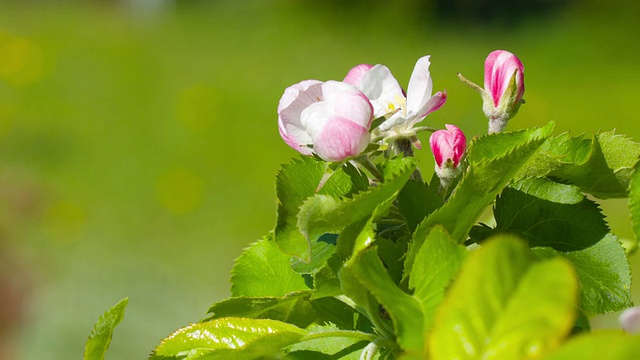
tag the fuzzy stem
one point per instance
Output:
(497, 124)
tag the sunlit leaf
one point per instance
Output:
(229, 338)
(504, 305)
(264, 270)
(609, 345)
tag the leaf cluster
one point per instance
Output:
(400, 269)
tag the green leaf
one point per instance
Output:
(493, 160)
(546, 213)
(326, 213)
(296, 182)
(229, 338)
(503, 305)
(293, 308)
(329, 342)
(603, 272)
(438, 261)
(330, 310)
(634, 201)
(405, 311)
(416, 201)
(100, 337)
(263, 270)
(321, 250)
(609, 345)
(601, 166)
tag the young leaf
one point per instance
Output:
(505, 306)
(229, 338)
(603, 272)
(437, 263)
(609, 345)
(100, 337)
(325, 213)
(263, 270)
(493, 160)
(294, 184)
(405, 311)
(293, 308)
(416, 201)
(546, 213)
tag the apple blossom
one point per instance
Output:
(448, 147)
(503, 88)
(330, 119)
(630, 320)
(389, 99)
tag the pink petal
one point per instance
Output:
(347, 101)
(499, 67)
(420, 86)
(356, 73)
(448, 144)
(340, 138)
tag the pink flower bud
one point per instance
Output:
(448, 146)
(504, 87)
(331, 119)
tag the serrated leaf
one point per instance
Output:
(603, 272)
(229, 338)
(493, 160)
(321, 250)
(102, 332)
(438, 261)
(296, 182)
(404, 310)
(609, 345)
(503, 305)
(601, 166)
(330, 310)
(293, 308)
(263, 270)
(416, 201)
(325, 213)
(546, 213)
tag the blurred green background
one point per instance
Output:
(139, 146)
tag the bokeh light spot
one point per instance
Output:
(180, 190)
(21, 61)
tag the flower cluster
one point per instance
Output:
(339, 120)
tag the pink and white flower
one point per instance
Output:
(330, 119)
(448, 147)
(389, 99)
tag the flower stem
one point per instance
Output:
(371, 167)
(404, 146)
(497, 124)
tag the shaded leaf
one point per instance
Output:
(102, 332)
(634, 201)
(335, 347)
(546, 213)
(293, 308)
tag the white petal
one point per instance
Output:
(382, 89)
(420, 86)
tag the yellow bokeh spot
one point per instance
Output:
(21, 61)
(180, 190)
(64, 221)
(197, 107)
